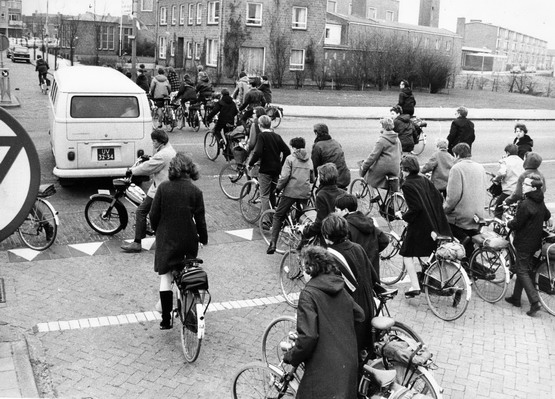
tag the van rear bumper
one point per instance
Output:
(80, 173)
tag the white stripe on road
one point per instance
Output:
(133, 318)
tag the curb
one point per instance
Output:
(17, 375)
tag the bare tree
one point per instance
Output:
(69, 27)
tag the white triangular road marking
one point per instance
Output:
(147, 243)
(89, 247)
(245, 233)
(26, 253)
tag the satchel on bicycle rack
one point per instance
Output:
(405, 351)
(451, 251)
(193, 278)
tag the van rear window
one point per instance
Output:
(104, 107)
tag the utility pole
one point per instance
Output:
(134, 40)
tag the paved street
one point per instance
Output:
(86, 311)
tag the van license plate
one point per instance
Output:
(105, 154)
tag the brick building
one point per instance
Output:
(518, 48)
(371, 9)
(11, 22)
(259, 36)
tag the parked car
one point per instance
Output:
(516, 69)
(20, 53)
(531, 69)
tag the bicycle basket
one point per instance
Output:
(451, 251)
(193, 278)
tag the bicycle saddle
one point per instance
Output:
(383, 378)
(439, 237)
(382, 323)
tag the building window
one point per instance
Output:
(332, 6)
(371, 13)
(163, 16)
(427, 42)
(182, 14)
(172, 48)
(437, 44)
(106, 38)
(199, 13)
(350, 8)
(254, 14)
(162, 47)
(191, 14)
(174, 15)
(189, 53)
(147, 5)
(448, 46)
(389, 16)
(296, 62)
(299, 17)
(197, 51)
(212, 52)
(213, 12)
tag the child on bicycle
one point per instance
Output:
(295, 182)
(528, 229)
(227, 110)
(42, 68)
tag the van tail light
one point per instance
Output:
(140, 153)
(71, 155)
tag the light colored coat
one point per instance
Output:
(510, 168)
(466, 193)
(296, 175)
(385, 159)
(439, 164)
(156, 167)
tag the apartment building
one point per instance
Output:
(519, 48)
(387, 10)
(227, 37)
(11, 22)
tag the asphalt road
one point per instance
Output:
(493, 351)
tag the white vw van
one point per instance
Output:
(100, 122)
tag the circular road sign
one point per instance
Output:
(4, 42)
(19, 174)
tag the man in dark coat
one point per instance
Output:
(326, 342)
(362, 229)
(186, 91)
(42, 68)
(407, 101)
(404, 128)
(424, 215)
(528, 229)
(204, 87)
(254, 98)
(326, 149)
(226, 109)
(462, 130)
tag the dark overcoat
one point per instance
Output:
(177, 217)
(365, 275)
(326, 341)
(425, 214)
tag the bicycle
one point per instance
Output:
(392, 271)
(44, 82)
(392, 202)
(250, 200)
(214, 144)
(233, 176)
(421, 136)
(275, 113)
(39, 229)
(490, 208)
(290, 233)
(191, 300)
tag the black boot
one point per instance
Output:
(166, 299)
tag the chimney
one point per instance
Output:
(429, 13)
(461, 25)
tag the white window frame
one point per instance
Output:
(163, 16)
(199, 13)
(371, 13)
(297, 67)
(448, 46)
(197, 51)
(182, 14)
(254, 21)
(301, 25)
(390, 15)
(213, 11)
(437, 44)
(426, 42)
(163, 43)
(189, 51)
(334, 2)
(191, 16)
(172, 48)
(143, 5)
(212, 52)
(174, 15)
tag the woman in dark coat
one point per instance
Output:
(425, 214)
(326, 341)
(177, 217)
(522, 140)
(335, 230)
(407, 101)
(326, 149)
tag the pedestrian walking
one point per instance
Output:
(407, 102)
(462, 130)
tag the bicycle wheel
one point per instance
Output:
(491, 206)
(249, 201)
(190, 339)
(232, 178)
(287, 237)
(211, 146)
(276, 117)
(169, 119)
(403, 331)
(104, 218)
(447, 289)
(276, 332)
(291, 277)
(360, 189)
(489, 274)
(194, 120)
(545, 284)
(391, 269)
(395, 203)
(155, 118)
(419, 147)
(179, 118)
(256, 380)
(38, 230)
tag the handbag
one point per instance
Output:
(495, 189)
(193, 278)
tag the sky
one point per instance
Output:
(531, 17)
